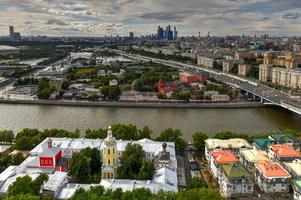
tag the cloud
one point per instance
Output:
(103, 17)
(56, 22)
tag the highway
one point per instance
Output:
(267, 94)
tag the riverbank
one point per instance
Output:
(134, 104)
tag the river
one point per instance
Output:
(209, 120)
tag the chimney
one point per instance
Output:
(49, 143)
(164, 145)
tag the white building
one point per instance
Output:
(271, 177)
(235, 144)
(235, 180)
(165, 176)
(205, 61)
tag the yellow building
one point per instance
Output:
(109, 157)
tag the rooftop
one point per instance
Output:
(294, 167)
(223, 156)
(235, 170)
(254, 155)
(55, 180)
(272, 169)
(262, 143)
(227, 144)
(284, 150)
(283, 138)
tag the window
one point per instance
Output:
(108, 151)
(46, 162)
(113, 150)
(42, 162)
(109, 162)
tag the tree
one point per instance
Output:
(196, 182)
(85, 166)
(172, 135)
(198, 139)
(25, 185)
(65, 85)
(137, 194)
(96, 134)
(44, 88)
(6, 136)
(22, 185)
(38, 182)
(23, 197)
(111, 92)
(131, 162)
(125, 132)
(146, 171)
(145, 132)
(199, 194)
(80, 168)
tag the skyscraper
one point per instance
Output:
(160, 33)
(11, 32)
(14, 35)
(175, 32)
(131, 35)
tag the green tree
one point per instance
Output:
(145, 132)
(198, 139)
(85, 166)
(80, 170)
(38, 182)
(6, 136)
(146, 171)
(196, 182)
(131, 162)
(23, 197)
(25, 185)
(111, 92)
(44, 88)
(172, 135)
(96, 134)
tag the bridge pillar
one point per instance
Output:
(247, 93)
(261, 100)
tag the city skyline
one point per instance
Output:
(95, 18)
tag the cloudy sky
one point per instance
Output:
(106, 17)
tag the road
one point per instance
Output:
(267, 94)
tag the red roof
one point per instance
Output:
(272, 169)
(284, 150)
(223, 156)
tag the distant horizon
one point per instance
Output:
(112, 17)
(154, 33)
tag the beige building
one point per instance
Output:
(243, 69)
(265, 72)
(289, 59)
(204, 61)
(290, 78)
(228, 64)
(241, 55)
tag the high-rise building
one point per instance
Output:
(175, 32)
(167, 34)
(131, 35)
(14, 35)
(160, 33)
(11, 32)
